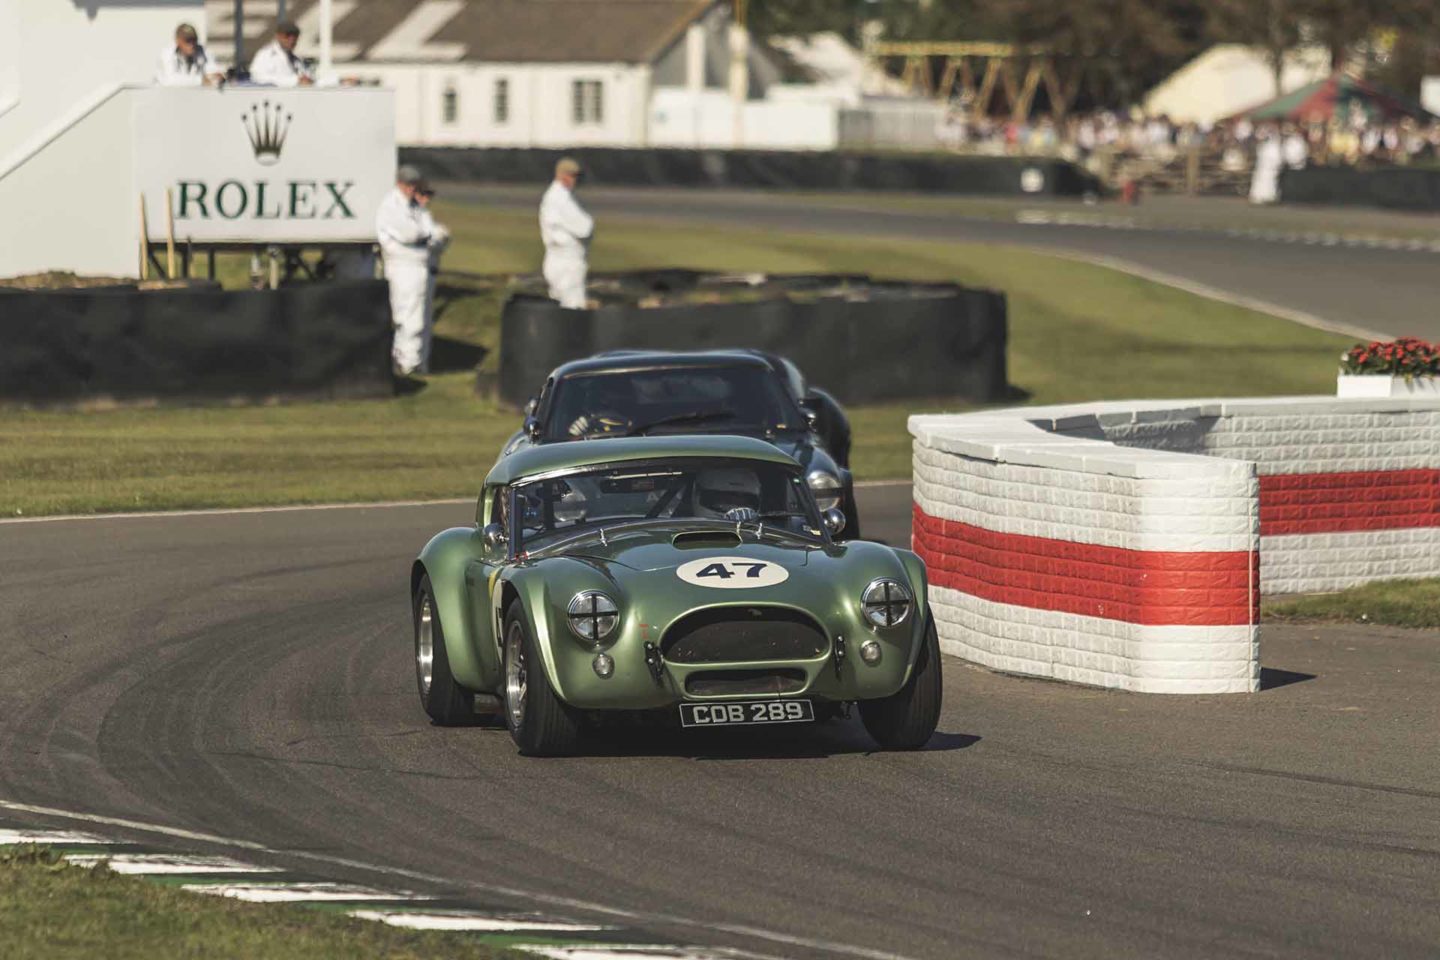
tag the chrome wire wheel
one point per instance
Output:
(425, 646)
(515, 678)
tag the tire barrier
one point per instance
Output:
(861, 340)
(1398, 188)
(65, 346)
(1127, 544)
(781, 169)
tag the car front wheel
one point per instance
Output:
(907, 719)
(540, 723)
(447, 703)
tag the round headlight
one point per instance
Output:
(592, 616)
(886, 603)
(825, 487)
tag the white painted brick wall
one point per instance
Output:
(1157, 476)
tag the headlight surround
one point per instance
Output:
(825, 488)
(886, 603)
(592, 616)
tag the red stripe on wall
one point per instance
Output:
(1340, 502)
(1135, 586)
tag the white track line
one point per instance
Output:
(625, 952)
(550, 900)
(460, 920)
(165, 864)
(10, 838)
(228, 511)
(295, 508)
(297, 892)
(1220, 296)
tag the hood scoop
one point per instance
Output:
(705, 540)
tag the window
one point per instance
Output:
(587, 101)
(689, 399)
(449, 105)
(502, 100)
(688, 492)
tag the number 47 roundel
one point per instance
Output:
(732, 573)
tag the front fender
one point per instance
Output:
(920, 581)
(543, 591)
(447, 559)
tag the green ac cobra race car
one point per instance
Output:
(688, 578)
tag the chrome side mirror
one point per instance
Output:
(812, 414)
(834, 521)
(532, 428)
(494, 536)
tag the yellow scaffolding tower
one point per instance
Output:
(999, 70)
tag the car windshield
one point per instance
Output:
(742, 398)
(701, 490)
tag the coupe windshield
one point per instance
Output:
(751, 492)
(689, 399)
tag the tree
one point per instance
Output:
(1271, 26)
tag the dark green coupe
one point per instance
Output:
(688, 578)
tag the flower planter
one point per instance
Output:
(1385, 386)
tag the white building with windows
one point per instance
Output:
(556, 73)
(99, 167)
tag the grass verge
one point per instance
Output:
(1396, 603)
(50, 911)
(1077, 332)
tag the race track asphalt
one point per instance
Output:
(249, 675)
(1370, 288)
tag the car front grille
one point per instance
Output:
(730, 683)
(743, 635)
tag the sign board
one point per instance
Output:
(1430, 94)
(265, 165)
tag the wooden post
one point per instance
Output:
(144, 242)
(169, 235)
(1192, 171)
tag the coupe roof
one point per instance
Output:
(574, 454)
(651, 359)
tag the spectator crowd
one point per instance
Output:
(1356, 139)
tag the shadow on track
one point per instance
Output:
(1271, 678)
(813, 742)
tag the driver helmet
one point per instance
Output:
(723, 491)
(606, 399)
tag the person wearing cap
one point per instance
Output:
(277, 64)
(566, 229)
(403, 229)
(185, 63)
(439, 240)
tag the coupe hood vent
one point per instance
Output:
(705, 540)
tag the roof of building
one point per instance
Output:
(497, 31)
(576, 454)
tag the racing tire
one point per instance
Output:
(447, 703)
(540, 723)
(907, 719)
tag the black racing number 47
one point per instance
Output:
(724, 571)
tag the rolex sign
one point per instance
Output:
(266, 165)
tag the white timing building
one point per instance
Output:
(559, 73)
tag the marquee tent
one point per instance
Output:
(1337, 96)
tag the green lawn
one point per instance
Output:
(1399, 603)
(1078, 332)
(52, 911)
